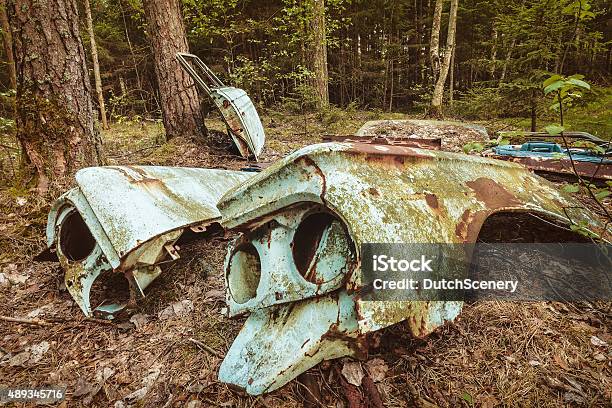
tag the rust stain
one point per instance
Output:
(432, 201)
(373, 191)
(493, 194)
(469, 224)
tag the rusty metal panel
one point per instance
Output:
(277, 344)
(241, 118)
(379, 193)
(127, 218)
(429, 143)
(237, 110)
(589, 170)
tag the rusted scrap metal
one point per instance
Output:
(453, 135)
(295, 268)
(237, 109)
(589, 170)
(568, 135)
(429, 143)
(127, 219)
(550, 157)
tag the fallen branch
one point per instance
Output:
(205, 347)
(35, 322)
(38, 322)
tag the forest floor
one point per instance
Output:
(494, 354)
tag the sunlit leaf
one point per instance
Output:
(600, 195)
(570, 188)
(554, 129)
(554, 86)
(551, 80)
(579, 83)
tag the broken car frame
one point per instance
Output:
(126, 219)
(237, 109)
(295, 267)
(296, 264)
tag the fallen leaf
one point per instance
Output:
(560, 361)
(571, 397)
(104, 374)
(83, 387)
(488, 401)
(218, 294)
(176, 309)
(599, 357)
(16, 279)
(353, 372)
(596, 341)
(37, 351)
(19, 359)
(139, 320)
(377, 369)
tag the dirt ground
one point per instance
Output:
(494, 354)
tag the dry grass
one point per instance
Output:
(495, 354)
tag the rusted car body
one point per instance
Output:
(237, 109)
(295, 268)
(127, 219)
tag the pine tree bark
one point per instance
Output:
(7, 40)
(55, 117)
(96, 64)
(435, 109)
(179, 99)
(434, 41)
(319, 53)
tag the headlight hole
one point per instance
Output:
(244, 273)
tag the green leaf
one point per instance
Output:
(600, 195)
(579, 83)
(552, 79)
(554, 129)
(570, 188)
(554, 86)
(468, 398)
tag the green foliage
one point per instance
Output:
(473, 147)
(565, 91)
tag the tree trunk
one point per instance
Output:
(179, 99)
(434, 42)
(55, 117)
(319, 53)
(507, 61)
(435, 109)
(451, 85)
(7, 40)
(96, 64)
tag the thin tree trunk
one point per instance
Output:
(179, 99)
(493, 53)
(391, 89)
(7, 40)
(127, 37)
(435, 109)
(434, 42)
(96, 64)
(507, 61)
(451, 86)
(319, 55)
(55, 117)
